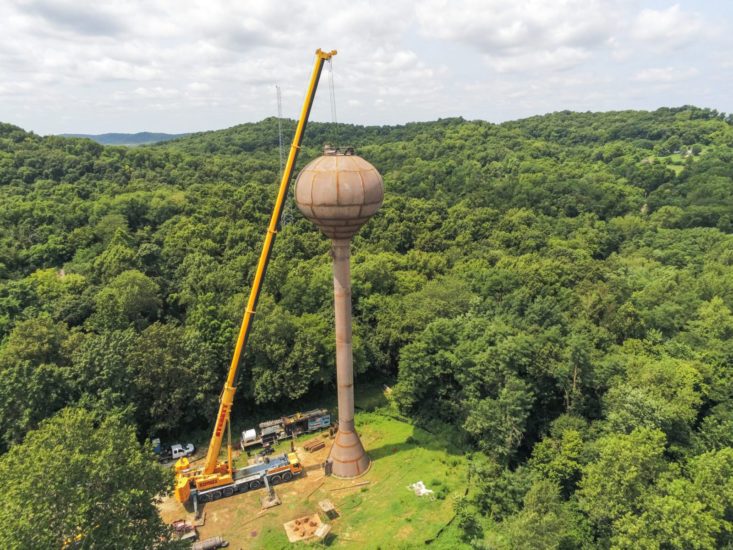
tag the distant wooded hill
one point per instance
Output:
(140, 138)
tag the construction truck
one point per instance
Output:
(271, 431)
(219, 478)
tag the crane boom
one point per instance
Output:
(227, 395)
(215, 479)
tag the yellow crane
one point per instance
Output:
(215, 479)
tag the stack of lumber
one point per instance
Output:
(314, 445)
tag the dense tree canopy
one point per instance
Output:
(557, 289)
(80, 481)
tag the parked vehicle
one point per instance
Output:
(175, 451)
(270, 432)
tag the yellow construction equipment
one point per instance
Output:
(215, 479)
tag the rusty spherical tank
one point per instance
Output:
(339, 192)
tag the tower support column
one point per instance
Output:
(347, 453)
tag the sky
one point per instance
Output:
(82, 66)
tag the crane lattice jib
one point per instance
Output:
(227, 395)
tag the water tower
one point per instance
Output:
(339, 192)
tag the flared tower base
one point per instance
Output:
(349, 459)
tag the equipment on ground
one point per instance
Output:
(305, 528)
(315, 444)
(210, 544)
(175, 451)
(270, 432)
(219, 478)
(181, 526)
(268, 472)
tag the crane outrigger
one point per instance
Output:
(218, 478)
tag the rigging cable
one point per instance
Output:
(332, 94)
(287, 215)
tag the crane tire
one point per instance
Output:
(206, 497)
(228, 491)
(256, 484)
(287, 476)
(276, 479)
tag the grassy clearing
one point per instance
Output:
(675, 161)
(383, 514)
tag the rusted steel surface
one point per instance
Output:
(339, 193)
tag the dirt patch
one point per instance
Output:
(236, 518)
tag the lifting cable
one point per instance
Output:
(332, 94)
(287, 215)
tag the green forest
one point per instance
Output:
(555, 292)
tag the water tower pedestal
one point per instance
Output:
(347, 453)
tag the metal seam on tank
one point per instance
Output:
(363, 194)
(381, 186)
(338, 192)
(312, 185)
(379, 179)
(297, 202)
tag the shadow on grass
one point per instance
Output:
(370, 396)
(388, 450)
(419, 439)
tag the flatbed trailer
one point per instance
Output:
(271, 471)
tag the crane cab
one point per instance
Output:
(295, 466)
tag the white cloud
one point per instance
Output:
(93, 19)
(108, 68)
(157, 92)
(198, 87)
(10, 88)
(667, 29)
(665, 74)
(525, 34)
(562, 58)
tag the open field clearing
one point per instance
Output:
(382, 513)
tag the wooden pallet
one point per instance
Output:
(304, 528)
